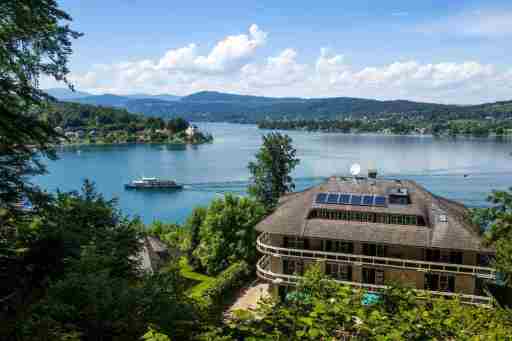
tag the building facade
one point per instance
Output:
(368, 232)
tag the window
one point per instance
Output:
(339, 271)
(291, 267)
(381, 218)
(337, 246)
(436, 282)
(295, 243)
(372, 276)
(433, 255)
(374, 250)
(456, 257)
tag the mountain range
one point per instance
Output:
(217, 106)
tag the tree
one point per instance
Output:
(73, 221)
(35, 42)
(227, 233)
(496, 224)
(270, 173)
(193, 225)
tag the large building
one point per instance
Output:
(368, 232)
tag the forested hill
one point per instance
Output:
(216, 106)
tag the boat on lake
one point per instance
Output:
(152, 183)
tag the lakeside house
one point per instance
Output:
(154, 254)
(191, 131)
(367, 232)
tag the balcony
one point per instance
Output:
(263, 245)
(264, 272)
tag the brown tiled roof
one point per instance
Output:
(290, 218)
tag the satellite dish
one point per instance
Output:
(355, 169)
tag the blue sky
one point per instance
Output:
(444, 51)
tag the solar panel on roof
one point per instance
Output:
(356, 200)
(380, 201)
(321, 198)
(332, 198)
(367, 200)
(344, 199)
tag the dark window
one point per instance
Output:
(339, 271)
(456, 257)
(437, 282)
(433, 255)
(374, 250)
(369, 249)
(369, 276)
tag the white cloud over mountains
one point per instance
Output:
(234, 65)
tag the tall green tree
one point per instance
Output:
(270, 173)
(35, 42)
(227, 233)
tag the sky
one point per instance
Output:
(435, 51)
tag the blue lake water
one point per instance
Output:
(213, 169)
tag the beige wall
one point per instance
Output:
(276, 264)
(465, 284)
(406, 278)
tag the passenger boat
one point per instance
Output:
(152, 183)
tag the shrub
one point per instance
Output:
(210, 299)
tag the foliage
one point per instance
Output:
(227, 233)
(101, 306)
(193, 225)
(338, 314)
(107, 125)
(73, 221)
(153, 335)
(35, 41)
(175, 236)
(210, 297)
(496, 224)
(399, 124)
(270, 174)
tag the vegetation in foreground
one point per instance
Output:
(323, 310)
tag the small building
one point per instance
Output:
(191, 130)
(367, 232)
(154, 254)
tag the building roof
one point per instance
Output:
(446, 222)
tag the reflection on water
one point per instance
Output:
(213, 169)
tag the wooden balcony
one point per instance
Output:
(264, 272)
(263, 245)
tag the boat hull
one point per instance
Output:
(153, 187)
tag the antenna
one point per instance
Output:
(355, 169)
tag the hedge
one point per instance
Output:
(210, 298)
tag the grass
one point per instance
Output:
(201, 281)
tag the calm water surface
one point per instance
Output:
(214, 169)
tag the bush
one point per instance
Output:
(210, 299)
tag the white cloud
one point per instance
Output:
(476, 24)
(281, 70)
(227, 54)
(231, 65)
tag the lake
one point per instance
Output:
(213, 169)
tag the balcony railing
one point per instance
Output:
(264, 246)
(264, 272)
